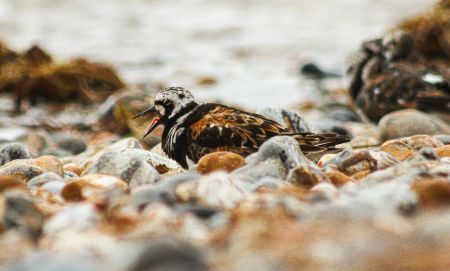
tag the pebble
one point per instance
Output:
(409, 122)
(72, 167)
(337, 178)
(10, 182)
(130, 165)
(220, 161)
(399, 150)
(217, 189)
(13, 151)
(21, 171)
(275, 158)
(443, 151)
(306, 175)
(48, 163)
(121, 145)
(37, 141)
(169, 254)
(22, 214)
(432, 192)
(78, 189)
(351, 162)
(163, 191)
(78, 217)
(44, 178)
(69, 142)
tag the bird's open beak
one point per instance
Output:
(155, 122)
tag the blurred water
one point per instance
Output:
(252, 47)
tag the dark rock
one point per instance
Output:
(69, 142)
(344, 115)
(22, 214)
(203, 212)
(13, 151)
(166, 254)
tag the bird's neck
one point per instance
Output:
(181, 115)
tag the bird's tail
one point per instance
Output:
(316, 145)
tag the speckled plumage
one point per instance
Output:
(193, 130)
(388, 74)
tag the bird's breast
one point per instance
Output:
(173, 139)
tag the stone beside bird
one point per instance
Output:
(193, 130)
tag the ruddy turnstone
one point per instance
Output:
(389, 74)
(192, 130)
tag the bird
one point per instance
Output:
(389, 74)
(192, 130)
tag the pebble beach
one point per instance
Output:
(82, 190)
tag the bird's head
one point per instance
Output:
(170, 104)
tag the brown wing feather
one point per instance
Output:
(226, 126)
(223, 128)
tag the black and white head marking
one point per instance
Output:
(172, 101)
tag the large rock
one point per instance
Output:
(275, 158)
(130, 165)
(410, 122)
